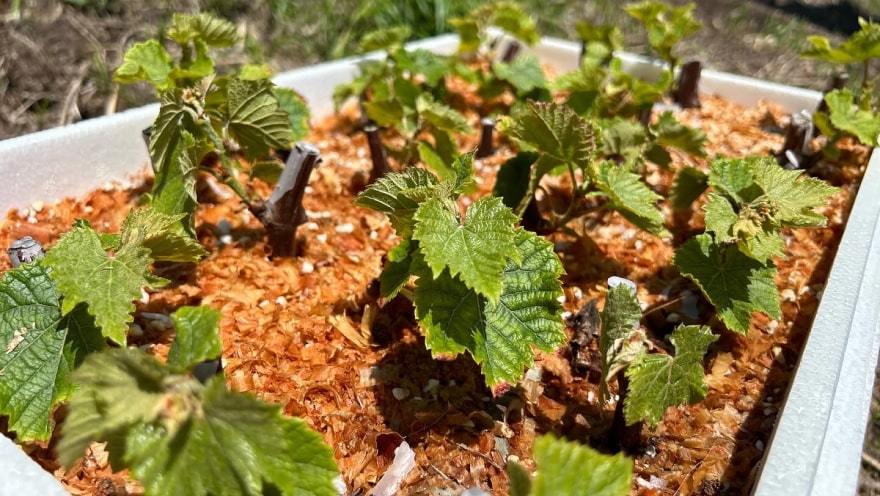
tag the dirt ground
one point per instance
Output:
(57, 58)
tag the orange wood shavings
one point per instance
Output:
(310, 335)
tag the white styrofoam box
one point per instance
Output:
(21, 476)
(816, 447)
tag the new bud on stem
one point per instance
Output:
(24, 250)
(485, 148)
(283, 212)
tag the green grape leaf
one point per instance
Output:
(823, 124)
(763, 246)
(256, 120)
(733, 282)
(793, 196)
(107, 283)
(720, 217)
(38, 349)
(626, 95)
(174, 185)
(297, 111)
(198, 67)
(512, 180)
(631, 197)
(476, 249)
(449, 312)
(756, 235)
(421, 62)
(528, 311)
(442, 116)
(197, 339)
(860, 46)
(166, 130)
(162, 236)
(397, 270)
(498, 335)
(734, 178)
(463, 166)
(179, 437)
(624, 138)
(523, 73)
(254, 72)
(510, 17)
(385, 112)
(670, 132)
(847, 117)
(688, 185)
(433, 160)
(600, 42)
(268, 171)
(666, 25)
(211, 30)
(445, 146)
(468, 34)
(567, 468)
(754, 198)
(621, 340)
(384, 39)
(657, 382)
(586, 78)
(555, 130)
(109, 241)
(147, 61)
(520, 483)
(391, 195)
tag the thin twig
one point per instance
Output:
(689, 474)
(72, 91)
(112, 99)
(442, 474)
(481, 455)
(83, 31)
(870, 460)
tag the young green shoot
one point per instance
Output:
(208, 122)
(482, 285)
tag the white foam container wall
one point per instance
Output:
(816, 447)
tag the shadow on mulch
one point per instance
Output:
(763, 416)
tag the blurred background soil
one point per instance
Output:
(57, 56)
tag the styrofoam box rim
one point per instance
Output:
(817, 444)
